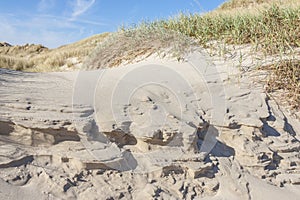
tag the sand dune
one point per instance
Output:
(156, 129)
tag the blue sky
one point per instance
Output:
(57, 22)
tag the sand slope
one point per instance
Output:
(160, 129)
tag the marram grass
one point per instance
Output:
(272, 30)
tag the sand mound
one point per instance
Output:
(157, 129)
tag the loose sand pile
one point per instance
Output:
(159, 129)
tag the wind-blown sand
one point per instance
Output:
(158, 129)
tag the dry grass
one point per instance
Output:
(37, 58)
(234, 4)
(127, 45)
(285, 76)
(14, 63)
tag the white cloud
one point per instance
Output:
(81, 6)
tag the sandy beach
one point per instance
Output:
(116, 101)
(158, 129)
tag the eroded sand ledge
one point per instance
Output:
(156, 129)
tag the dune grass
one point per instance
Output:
(37, 58)
(285, 76)
(128, 45)
(273, 29)
(233, 4)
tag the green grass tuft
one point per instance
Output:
(273, 30)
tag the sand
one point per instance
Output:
(158, 129)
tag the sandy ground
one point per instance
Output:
(159, 129)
